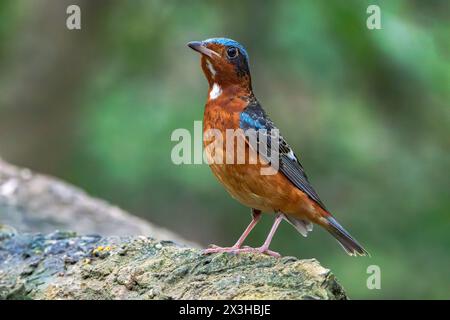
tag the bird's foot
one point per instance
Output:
(237, 250)
(265, 250)
(216, 249)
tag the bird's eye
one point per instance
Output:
(232, 52)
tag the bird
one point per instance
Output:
(232, 105)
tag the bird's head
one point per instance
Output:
(224, 62)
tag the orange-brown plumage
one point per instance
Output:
(231, 105)
(268, 193)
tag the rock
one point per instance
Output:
(106, 255)
(31, 202)
(63, 265)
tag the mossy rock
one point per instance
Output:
(63, 265)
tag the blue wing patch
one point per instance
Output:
(249, 122)
(254, 117)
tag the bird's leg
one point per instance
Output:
(265, 247)
(256, 216)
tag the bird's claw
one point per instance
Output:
(263, 250)
(217, 249)
(269, 252)
(246, 249)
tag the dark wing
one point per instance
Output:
(254, 117)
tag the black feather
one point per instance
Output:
(350, 245)
(254, 117)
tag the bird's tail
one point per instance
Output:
(350, 245)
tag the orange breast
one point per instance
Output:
(245, 183)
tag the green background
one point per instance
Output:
(367, 111)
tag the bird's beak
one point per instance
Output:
(200, 47)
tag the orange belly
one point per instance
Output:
(245, 183)
(268, 193)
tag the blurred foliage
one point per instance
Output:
(367, 112)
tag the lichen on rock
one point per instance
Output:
(63, 265)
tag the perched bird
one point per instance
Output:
(231, 104)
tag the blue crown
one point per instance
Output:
(228, 42)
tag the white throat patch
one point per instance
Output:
(211, 68)
(215, 91)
